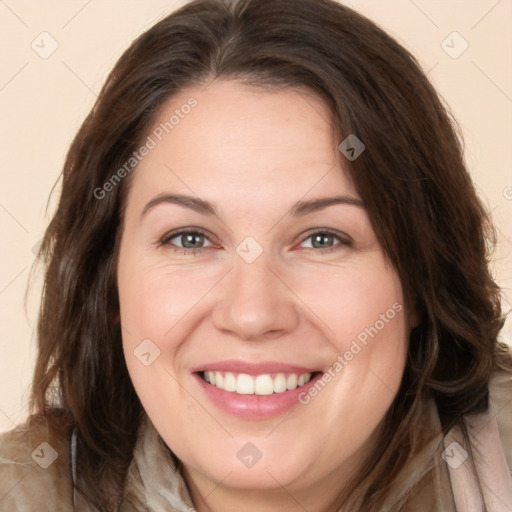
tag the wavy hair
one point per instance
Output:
(411, 177)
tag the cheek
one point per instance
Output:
(154, 301)
(363, 317)
(366, 326)
(159, 307)
(154, 298)
(353, 302)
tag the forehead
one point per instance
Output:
(241, 141)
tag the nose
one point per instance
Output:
(255, 304)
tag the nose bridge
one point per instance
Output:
(255, 302)
(252, 280)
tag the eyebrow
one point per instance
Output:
(301, 208)
(305, 207)
(193, 203)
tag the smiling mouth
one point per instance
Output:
(264, 384)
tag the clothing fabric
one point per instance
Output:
(38, 467)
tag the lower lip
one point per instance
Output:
(254, 407)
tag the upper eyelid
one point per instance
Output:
(175, 233)
(329, 231)
(182, 231)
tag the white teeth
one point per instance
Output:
(244, 384)
(280, 383)
(263, 385)
(229, 382)
(291, 382)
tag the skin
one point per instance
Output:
(254, 153)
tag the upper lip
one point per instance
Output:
(252, 368)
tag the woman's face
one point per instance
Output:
(248, 254)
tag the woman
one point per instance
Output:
(267, 284)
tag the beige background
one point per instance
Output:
(43, 102)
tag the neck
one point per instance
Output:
(326, 493)
(208, 497)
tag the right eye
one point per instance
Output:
(185, 240)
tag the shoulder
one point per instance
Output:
(35, 467)
(490, 434)
(500, 406)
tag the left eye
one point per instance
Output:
(189, 240)
(322, 240)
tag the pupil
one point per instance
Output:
(322, 240)
(192, 241)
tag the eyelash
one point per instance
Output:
(165, 240)
(344, 241)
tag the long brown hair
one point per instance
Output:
(411, 177)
